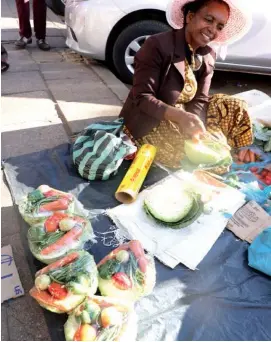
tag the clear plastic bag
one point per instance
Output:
(64, 284)
(95, 163)
(259, 252)
(127, 272)
(43, 202)
(57, 235)
(102, 319)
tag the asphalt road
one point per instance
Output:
(233, 82)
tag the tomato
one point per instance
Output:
(88, 333)
(111, 316)
(268, 180)
(57, 291)
(51, 224)
(253, 169)
(122, 281)
(264, 172)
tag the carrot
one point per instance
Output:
(208, 179)
(242, 154)
(51, 224)
(45, 298)
(139, 253)
(64, 241)
(54, 192)
(247, 157)
(59, 263)
(113, 253)
(252, 156)
(77, 335)
(195, 139)
(61, 204)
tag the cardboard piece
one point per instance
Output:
(249, 221)
(11, 286)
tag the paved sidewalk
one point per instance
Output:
(46, 97)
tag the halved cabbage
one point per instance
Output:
(173, 207)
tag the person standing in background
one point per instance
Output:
(39, 14)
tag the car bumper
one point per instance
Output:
(89, 24)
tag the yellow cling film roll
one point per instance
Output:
(134, 178)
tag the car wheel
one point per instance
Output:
(57, 6)
(129, 42)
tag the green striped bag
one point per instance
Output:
(100, 149)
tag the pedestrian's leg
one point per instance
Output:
(39, 11)
(24, 23)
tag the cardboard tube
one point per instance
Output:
(129, 187)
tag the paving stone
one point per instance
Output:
(92, 90)
(9, 222)
(8, 22)
(111, 81)
(6, 199)
(25, 110)
(4, 323)
(79, 115)
(30, 140)
(66, 70)
(45, 56)
(19, 256)
(9, 35)
(57, 42)
(20, 60)
(55, 31)
(25, 331)
(19, 82)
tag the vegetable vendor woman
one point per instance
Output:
(169, 101)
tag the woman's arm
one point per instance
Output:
(148, 68)
(199, 104)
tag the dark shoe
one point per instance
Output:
(22, 42)
(43, 45)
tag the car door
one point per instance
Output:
(253, 52)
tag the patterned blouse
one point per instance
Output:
(190, 82)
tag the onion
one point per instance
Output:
(42, 282)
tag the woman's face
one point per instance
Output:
(205, 25)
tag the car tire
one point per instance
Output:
(57, 6)
(129, 35)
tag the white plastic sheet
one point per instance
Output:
(172, 246)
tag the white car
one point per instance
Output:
(114, 30)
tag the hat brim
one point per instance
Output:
(239, 22)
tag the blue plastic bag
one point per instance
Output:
(259, 252)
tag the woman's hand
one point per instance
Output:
(189, 123)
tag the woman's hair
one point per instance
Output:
(195, 6)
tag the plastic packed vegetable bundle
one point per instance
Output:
(127, 272)
(102, 319)
(44, 201)
(57, 235)
(64, 284)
